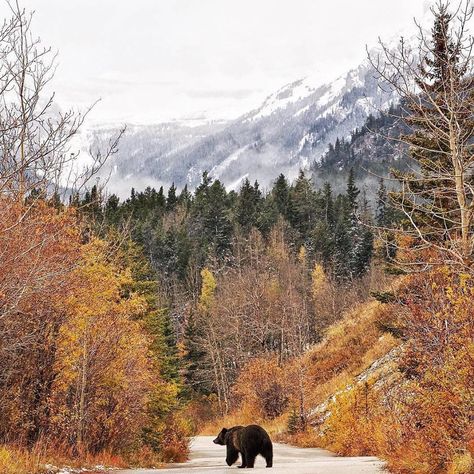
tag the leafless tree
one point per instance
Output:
(434, 80)
(35, 139)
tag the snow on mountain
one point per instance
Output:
(292, 128)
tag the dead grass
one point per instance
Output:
(42, 459)
(242, 417)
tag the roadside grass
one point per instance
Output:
(44, 460)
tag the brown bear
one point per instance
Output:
(249, 441)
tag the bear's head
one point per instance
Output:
(221, 437)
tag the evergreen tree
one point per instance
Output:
(384, 219)
(328, 204)
(365, 240)
(437, 192)
(281, 195)
(340, 258)
(381, 214)
(302, 206)
(194, 357)
(185, 197)
(248, 206)
(172, 199)
(212, 226)
(293, 425)
(352, 193)
(92, 203)
(112, 209)
(160, 199)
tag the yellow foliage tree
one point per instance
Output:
(100, 393)
(208, 289)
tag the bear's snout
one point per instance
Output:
(215, 441)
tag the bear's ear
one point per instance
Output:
(224, 430)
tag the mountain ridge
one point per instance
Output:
(291, 129)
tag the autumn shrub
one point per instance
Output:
(175, 446)
(77, 376)
(202, 413)
(40, 249)
(420, 419)
(355, 423)
(99, 394)
(262, 388)
(437, 408)
(18, 461)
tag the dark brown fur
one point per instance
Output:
(249, 441)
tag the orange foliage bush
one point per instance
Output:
(263, 389)
(422, 421)
(40, 248)
(77, 375)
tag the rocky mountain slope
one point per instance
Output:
(290, 130)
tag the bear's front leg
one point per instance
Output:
(232, 455)
(244, 460)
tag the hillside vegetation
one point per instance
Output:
(335, 320)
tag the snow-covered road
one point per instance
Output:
(207, 457)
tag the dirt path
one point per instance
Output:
(208, 457)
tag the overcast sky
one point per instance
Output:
(156, 60)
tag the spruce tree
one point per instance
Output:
(281, 194)
(302, 206)
(384, 219)
(185, 197)
(328, 204)
(172, 199)
(436, 91)
(381, 212)
(248, 206)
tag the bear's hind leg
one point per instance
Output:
(251, 459)
(268, 455)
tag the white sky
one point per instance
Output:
(156, 60)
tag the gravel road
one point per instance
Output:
(207, 457)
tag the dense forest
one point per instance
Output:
(237, 271)
(333, 318)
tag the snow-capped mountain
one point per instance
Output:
(292, 128)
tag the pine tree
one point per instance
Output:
(352, 193)
(437, 94)
(248, 206)
(112, 209)
(381, 214)
(172, 199)
(328, 204)
(302, 206)
(353, 239)
(281, 194)
(384, 219)
(365, 240)
(185, 197)
(293, 424)
(194, 357)
(341, 250)
(160, 199)
(212, 226)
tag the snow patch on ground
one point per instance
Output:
(302, 111)
(51, 469)
(287, 95)
(334, 90)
